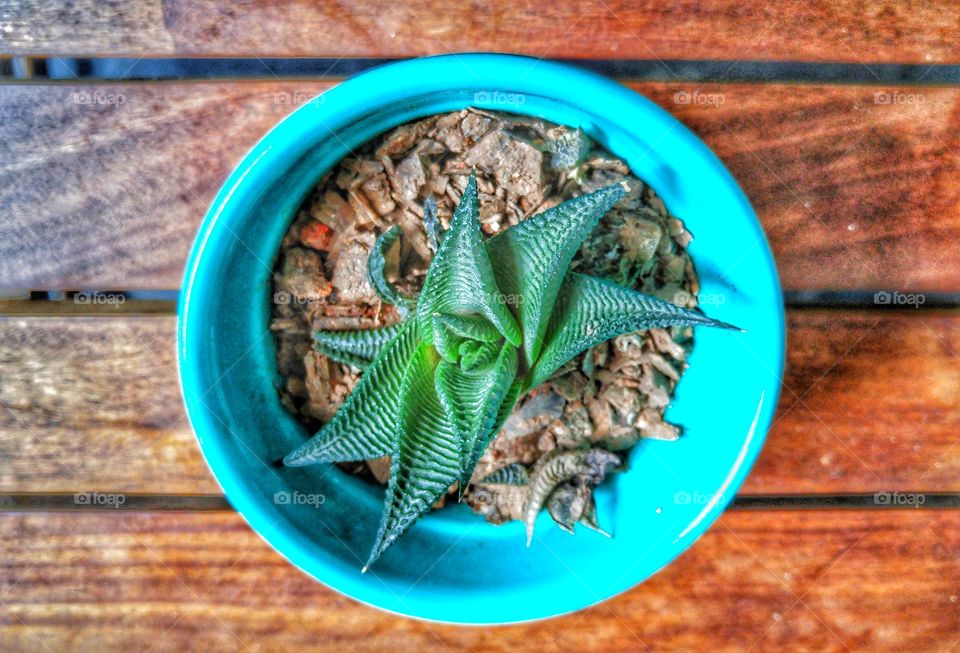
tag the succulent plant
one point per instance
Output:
(494, 319)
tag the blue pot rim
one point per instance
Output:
(500, 73)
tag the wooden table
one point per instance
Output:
(848, 152)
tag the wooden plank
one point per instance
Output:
(814, 581)
(856, 187)
(869, 405)
(871, 31)
(104, 185)
(93, 403)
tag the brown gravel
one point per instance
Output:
(603, 400)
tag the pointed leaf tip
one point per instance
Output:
(474, 400)
(460, 279)
(426, 452)
(363, 428)
(590, 310)
(376, 270)
(531, 258)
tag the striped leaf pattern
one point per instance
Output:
(513, 394)
(590, 310)
(460, 280)
(365, 425)
(494, 320)
(473, 399)
(479, 355)
(513, 474)
(357, 348)
(426, 453)
(377, 263)
(469, 326)
(531, 258)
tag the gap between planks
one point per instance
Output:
(84, 69)
(97, 501)
(934, 303)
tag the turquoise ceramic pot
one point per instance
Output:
(452, 566)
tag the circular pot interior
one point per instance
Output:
(452, 566)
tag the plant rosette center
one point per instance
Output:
(495, 319)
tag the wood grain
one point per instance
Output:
(104, 186)
(812, 581)
(793, 30)
(869, 404)
(91, 403)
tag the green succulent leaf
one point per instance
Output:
(446, 341)
(376, 264)
(453, 333)
(531, 258)
(469, 326)
(473, 399)
(469, 350)
(365, 425)
(479, 355)
(460, 280)
(357, 348)
(430, 223)
(590, 310)
(513, 394)
(512, 474)
(438, 387)
(426, 453)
